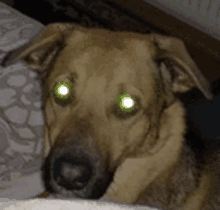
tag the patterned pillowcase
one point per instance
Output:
(21, 118)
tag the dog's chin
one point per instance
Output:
(94, 188)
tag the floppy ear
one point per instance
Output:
(179, 71)
(40, 52)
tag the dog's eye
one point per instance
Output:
(126, 106)
(62, 93)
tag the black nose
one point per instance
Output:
(70, 174)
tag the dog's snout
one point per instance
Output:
(70, 174)
(76, 169)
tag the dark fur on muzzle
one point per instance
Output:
(71, 169)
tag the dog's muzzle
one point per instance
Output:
(72, 173)
(75, 170)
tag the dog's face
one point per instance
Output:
(118, 85)
(99, 72)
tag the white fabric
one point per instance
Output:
(42, 204)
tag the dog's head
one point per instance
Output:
(104, 94)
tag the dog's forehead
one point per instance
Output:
(108, 59)
(105, 39)
(106, 49)
(111, 46)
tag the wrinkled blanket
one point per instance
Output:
(21, 118)
(36, 204)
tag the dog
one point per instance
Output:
(114, 126)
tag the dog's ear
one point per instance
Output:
(39, 53)
(179, 71)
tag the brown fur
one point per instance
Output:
(144, 152)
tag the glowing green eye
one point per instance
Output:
(62, 90)
(126, 102)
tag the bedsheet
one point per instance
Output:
(36, 204)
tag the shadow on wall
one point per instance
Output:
(203, 120)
